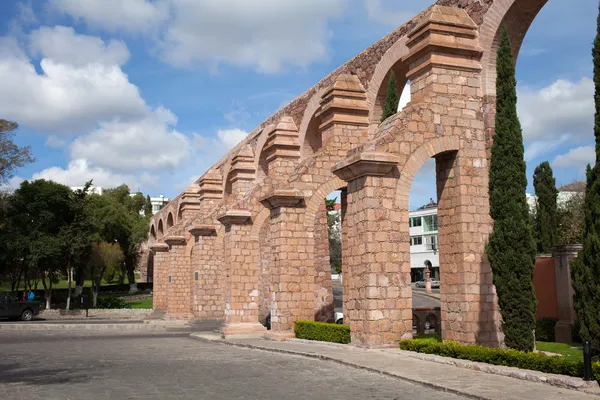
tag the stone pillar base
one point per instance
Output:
(562, 331)
(280, 336)
(243, 330)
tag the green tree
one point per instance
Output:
(585, 269)
(570, 217)
(11, 155)
(148, 207)
(546, 209)
(103, 256)
(391, 98)
(511, 248)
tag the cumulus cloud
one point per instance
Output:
(78, 172)
(564, 107)
(577, 158)
(61, 44)
(134, 16)
(63, 98)
(253, 34)
(55, 142)
(149, 144)
(231, 137)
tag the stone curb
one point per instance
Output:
(562, 381)
(79, 327)
(338, 361)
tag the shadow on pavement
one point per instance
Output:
(19, 373)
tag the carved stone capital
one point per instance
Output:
(174, 240)
(202, 230)
(159, 247)
(365, 164)
(283, 198)
(235, 217)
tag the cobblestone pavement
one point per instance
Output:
(169, 366)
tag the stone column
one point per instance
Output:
(323, 284)
(179, 280)
(207, 274)
(160, 276)
(292, 289)
(377, 292)
(564, 291)
(242, 288)
(242, 173)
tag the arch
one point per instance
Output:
(153, 232)
(517, 15)
(161, 231)
(309, 126)
(258, 222)
(226, 171)
(260, 160)
(312, 206)
(392, 60)
(170, 222)
(417, 159)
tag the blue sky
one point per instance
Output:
(152, 92)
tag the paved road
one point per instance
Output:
(419, 298)
(152, 366)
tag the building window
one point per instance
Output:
(196, 275)
(430, 223)
(431, 242)
(415, 221)
(416, 240)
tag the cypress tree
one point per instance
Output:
(391, 99)
(585, 269)
(511, 248)
(546, 210)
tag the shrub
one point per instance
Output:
(112, 302)
(311, 330)
(509, 358)
(544, 330)
(596, 371)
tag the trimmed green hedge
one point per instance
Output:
(544, 330)
(312, 330)
(509, 358)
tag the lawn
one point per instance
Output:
(63, 284)
(568, 351)
(146, 303)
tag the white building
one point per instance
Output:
(565, 193)
(158, 203)
(423, 224)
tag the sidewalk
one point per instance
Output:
(408, 366)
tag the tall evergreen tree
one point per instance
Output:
(148, 207)
(546, 210)
(511, 248)
(585, 269)
(391, 99)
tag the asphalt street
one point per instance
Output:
(160, 366)
(420, 299)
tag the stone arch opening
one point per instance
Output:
(400, 70)
(170, 221)
(153, 232)
(160, 229)
(313, 140)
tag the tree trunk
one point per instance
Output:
(70, 278)
(79, 281)
(131, 278)
(48, 297)
(95, 297)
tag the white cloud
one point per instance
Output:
(147, 144)
(564, 107)
(79, 171)
(25, 13)
(62, 45)
(537, 148)
(385, 14)
(134, 16)
(55, 142)
(577, 158)
(63, 98)
(231, 137)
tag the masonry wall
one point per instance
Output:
(208, 289)
(544, 282)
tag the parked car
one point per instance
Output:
(14, 309)
(338, 317)
(435, 284)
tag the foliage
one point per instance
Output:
(546, 209)
(505, 357)
(148, 207)
(511, 248)
(392, 99)
(112, 302)
(573, 352)
(11, 155)
(585, 269)
(330, 204)
(104, 256)
(312, 330)
(571, 221)
(334, 234)
(143, 304)
(544, 330)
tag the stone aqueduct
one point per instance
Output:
(249, 237)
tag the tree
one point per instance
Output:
(148, 207)
(104, 256)
(570, 221)
(334, 233)
(511, 248)
(546, 209)
(11, 155)
(585, 269)
(391, 98)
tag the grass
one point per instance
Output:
(568, 351)
(63, 284)
(433, 337)
(146, 303)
